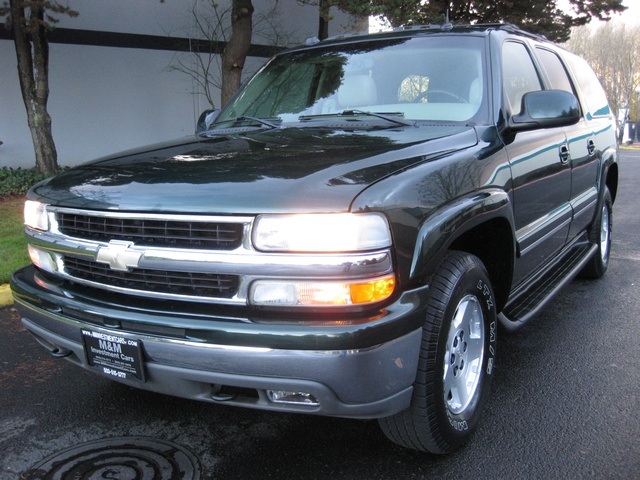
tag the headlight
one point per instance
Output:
(344, 232)
(35, 215)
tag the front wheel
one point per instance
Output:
(456, 360)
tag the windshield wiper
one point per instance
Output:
(246, 118)
(383, 116)
(351, 113)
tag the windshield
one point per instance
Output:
(439, 78)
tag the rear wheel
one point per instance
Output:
(456, 360)
(600, 234)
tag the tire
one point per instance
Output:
(600, 235)
(457, 350)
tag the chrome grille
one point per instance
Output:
(152, 232)
(174, 283)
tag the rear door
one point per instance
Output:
(582, 139)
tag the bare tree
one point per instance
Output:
(613, 50)
(237, 48)
(213, 32)
(29, 22)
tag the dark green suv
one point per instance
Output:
(344, 238)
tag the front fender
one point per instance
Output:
(449, 222)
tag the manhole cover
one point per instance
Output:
(123, 458)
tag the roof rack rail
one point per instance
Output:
(512, 28)
(508, 27)
(407, 28)
(339, 37)
(445, 27)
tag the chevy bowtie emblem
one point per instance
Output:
(119, 256)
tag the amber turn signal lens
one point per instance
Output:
(374, 291)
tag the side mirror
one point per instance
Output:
(205, 120)
(546, 109)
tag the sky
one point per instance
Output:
(630, 16)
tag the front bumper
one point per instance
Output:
(361, 369)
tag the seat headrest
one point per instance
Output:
(356, 91)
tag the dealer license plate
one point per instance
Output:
(114, 355)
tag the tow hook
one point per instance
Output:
(218, 395)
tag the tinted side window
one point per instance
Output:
(519, 75)
(555, 70)
(595, 98)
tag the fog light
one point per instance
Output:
(42, 259)
(292, 398)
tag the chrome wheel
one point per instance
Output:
(600, 235)
(464, 355)
(604, 234)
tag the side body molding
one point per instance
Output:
(448, 223)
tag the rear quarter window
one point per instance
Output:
(594, 98)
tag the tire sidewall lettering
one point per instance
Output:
(457, 425)
(461, 424)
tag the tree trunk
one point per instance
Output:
(237, 49)
(323, 21)
(32, 52)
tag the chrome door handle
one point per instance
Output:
(565, 155)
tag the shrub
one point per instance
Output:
(16, 181)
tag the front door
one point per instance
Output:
(541, 169)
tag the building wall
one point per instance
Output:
(104, 99)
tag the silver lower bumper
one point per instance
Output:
(372, 382)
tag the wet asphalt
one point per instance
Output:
(564, 404)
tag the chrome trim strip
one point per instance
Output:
(530, 236)
(542, 239)
(329, 266)
(153, 216)
(234, 262)
(585, 202)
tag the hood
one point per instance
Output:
(281, 170)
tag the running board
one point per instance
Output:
(527, 304)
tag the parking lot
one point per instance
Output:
(564, 404)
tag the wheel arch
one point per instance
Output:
(480, 224)
(610, 175)
(496, 250)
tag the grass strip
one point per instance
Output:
(13, 245)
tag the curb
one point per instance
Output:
(6, 298)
